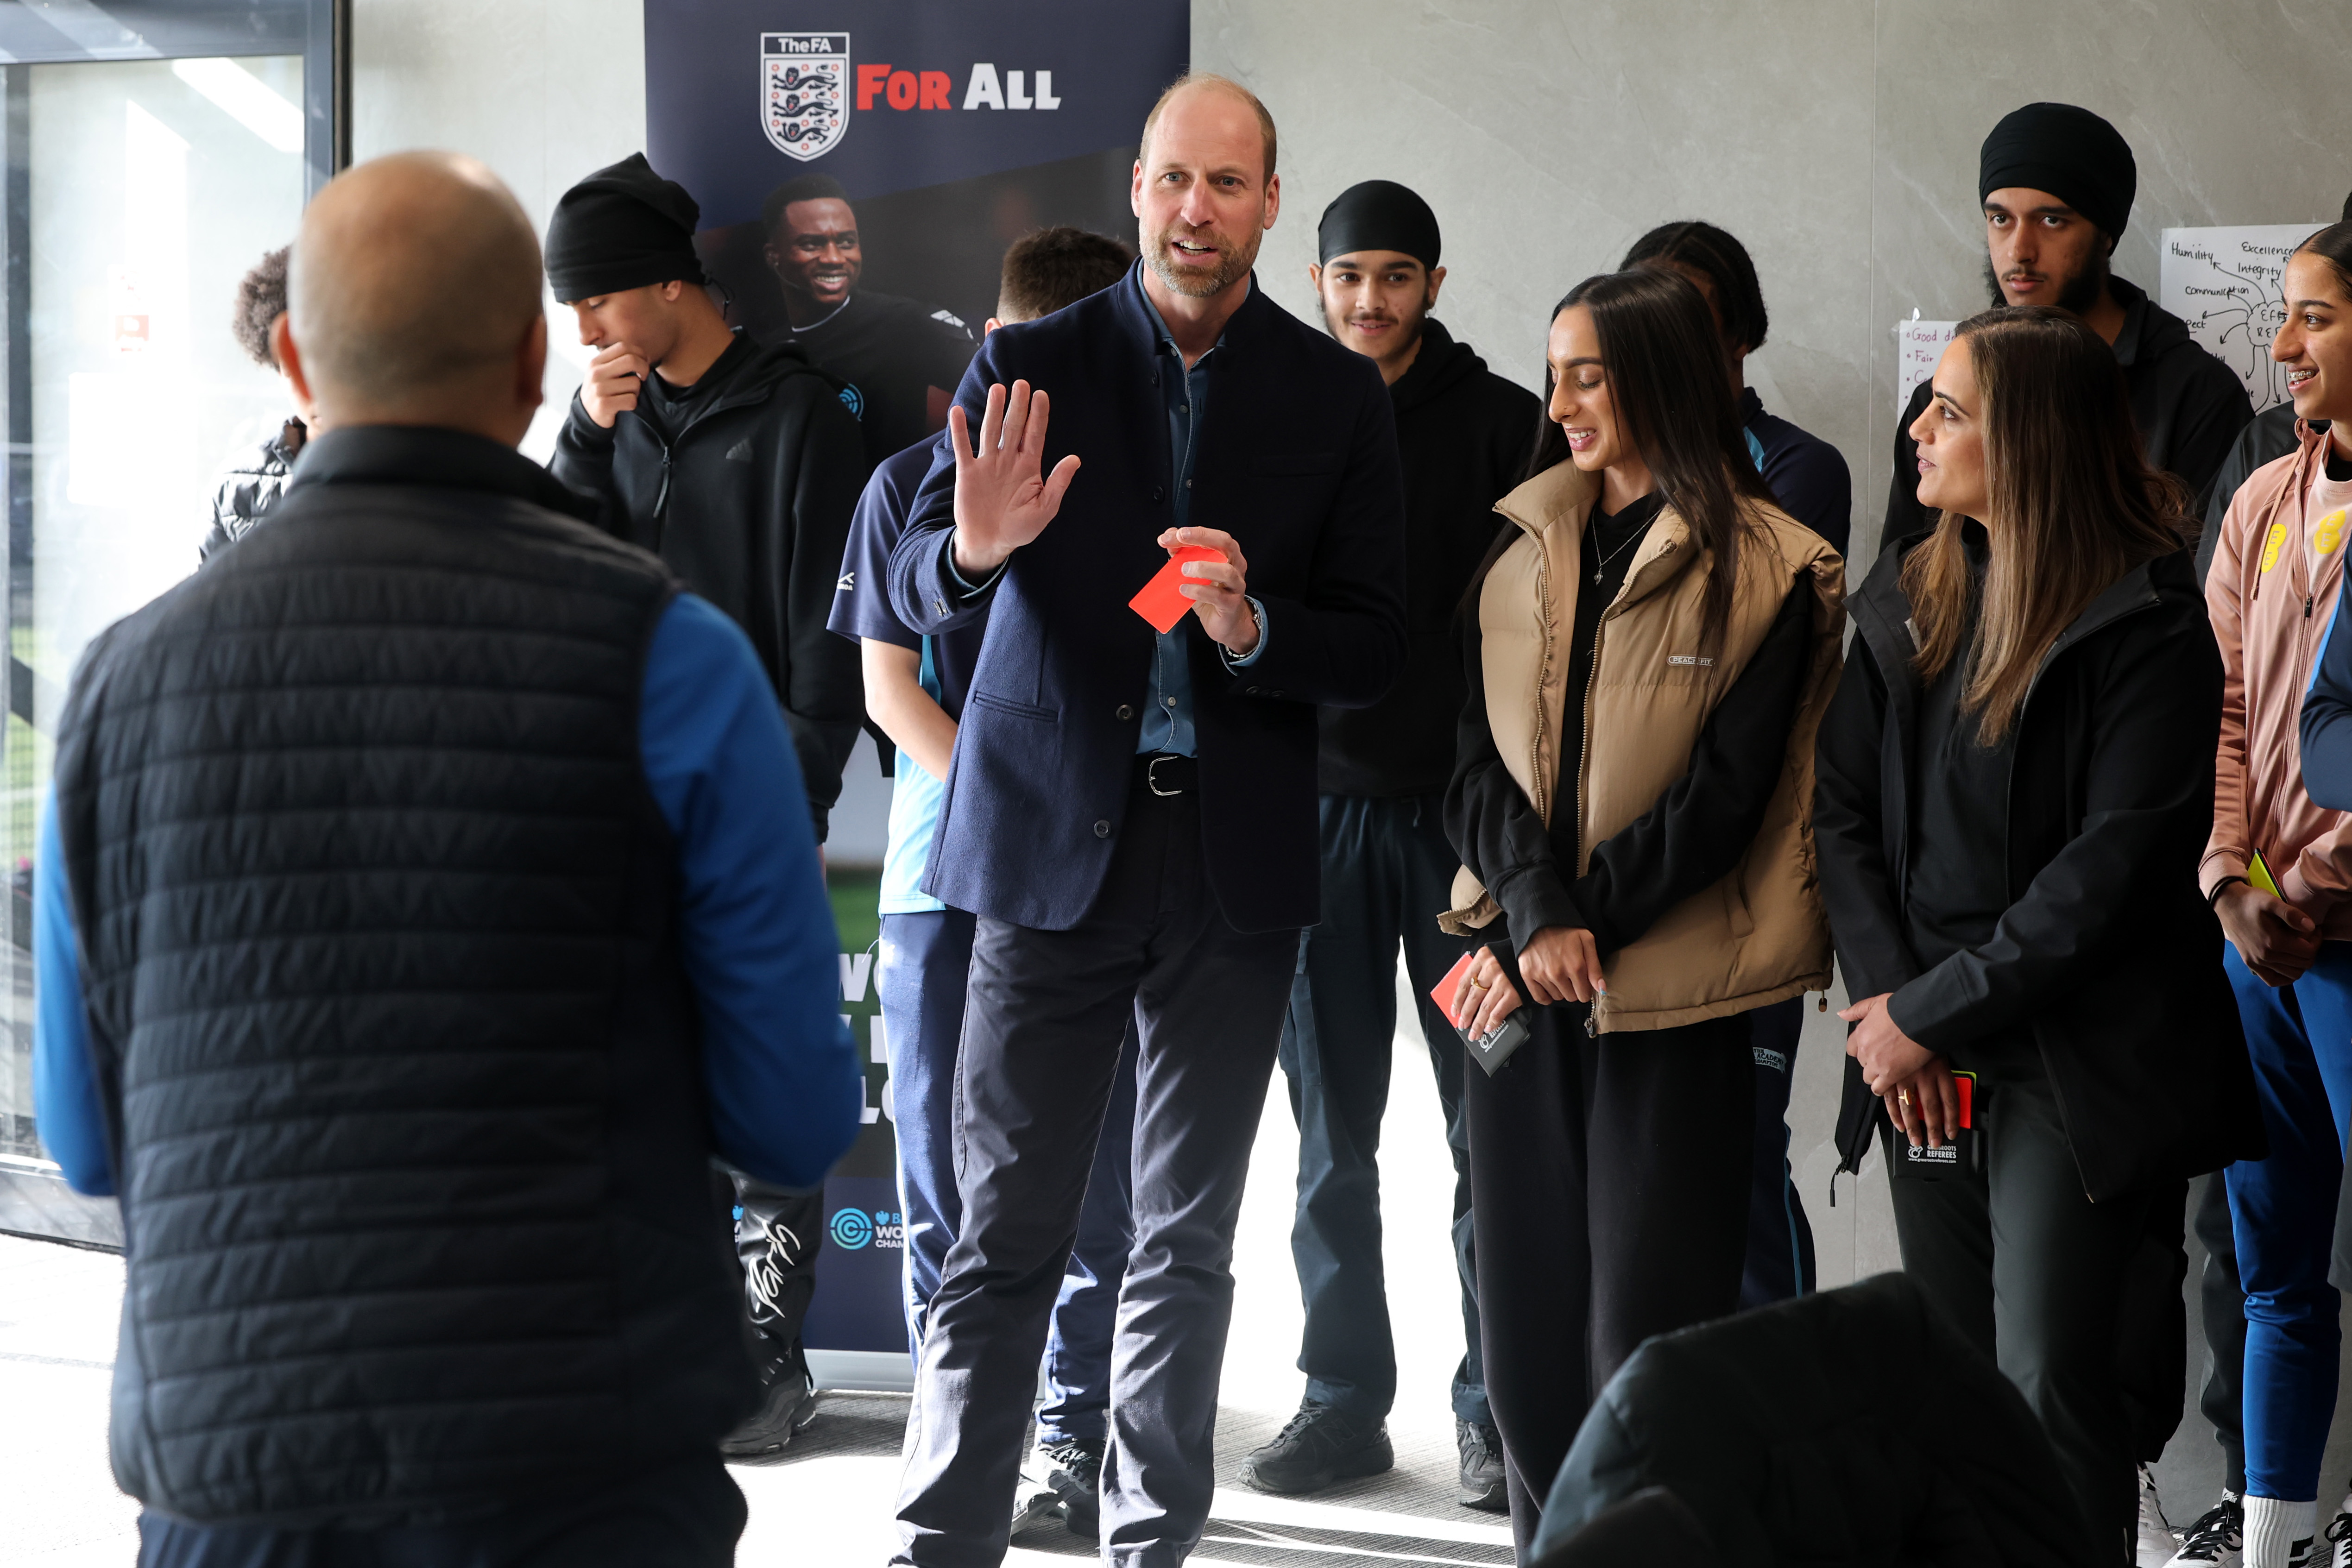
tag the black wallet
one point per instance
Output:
(1962, 1156)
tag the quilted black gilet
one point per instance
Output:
(398, 1057)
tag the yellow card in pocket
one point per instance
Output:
(2258, 871)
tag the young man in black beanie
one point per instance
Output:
(1464, 434)
(903, 360)
(2056, 183)
(739, 466)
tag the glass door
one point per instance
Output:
(142, 183)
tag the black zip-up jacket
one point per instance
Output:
(748, 502)
(2187, 405)
(2269, 438)
(1464, 434)
(2107, 958)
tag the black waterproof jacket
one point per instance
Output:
(749, 504)
(1782, 1432)
(248, 487)
(2106, 956)
(2187, 405)
(1464, 434)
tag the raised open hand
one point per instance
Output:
(1000, 502)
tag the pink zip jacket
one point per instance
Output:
(2276, 570)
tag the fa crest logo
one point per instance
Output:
(804, 91)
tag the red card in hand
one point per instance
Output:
(1441, 993)
(1160, 602)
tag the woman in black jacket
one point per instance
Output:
(2013, 787)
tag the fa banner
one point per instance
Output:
(861, 166)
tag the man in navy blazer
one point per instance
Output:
(1132, 814)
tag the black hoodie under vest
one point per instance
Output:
(1464, 434)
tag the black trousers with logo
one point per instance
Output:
(777, 1233)
(1609, 1182)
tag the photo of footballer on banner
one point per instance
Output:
(861, 171)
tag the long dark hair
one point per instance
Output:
(1665, 365)
(2075, 506)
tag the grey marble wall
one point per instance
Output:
(1837, 138)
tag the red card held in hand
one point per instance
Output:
(1443, 992)
(1160, 602)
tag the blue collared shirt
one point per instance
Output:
(1168, 720)
(1168, 716)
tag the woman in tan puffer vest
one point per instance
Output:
(1649, 650)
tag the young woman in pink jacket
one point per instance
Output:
(2278, 871)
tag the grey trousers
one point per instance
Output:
(1043, 1022)
(2035, 1274)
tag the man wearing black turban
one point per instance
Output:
(1463, 434)
(739, 466)
(2056, 183)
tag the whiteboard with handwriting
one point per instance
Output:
(2225, 283)
(1918, 345)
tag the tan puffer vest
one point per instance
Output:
(1760, 935)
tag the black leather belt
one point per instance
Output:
(1165, 774)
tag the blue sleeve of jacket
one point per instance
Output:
(65, 1086)
(785, 1086)
(2327, 719)
(926, 591)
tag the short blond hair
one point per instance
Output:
(1211, 79)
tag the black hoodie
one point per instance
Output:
(2188, 406)
(1464, 434)
(743, 485)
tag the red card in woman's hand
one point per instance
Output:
(1162, 601)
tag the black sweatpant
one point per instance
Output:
(2034, 1274)
(1387, 866)
(1608, 1183)
(2223, 1300)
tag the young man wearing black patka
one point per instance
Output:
(739, 466)
(1464, 434)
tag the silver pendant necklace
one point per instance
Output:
(1621, 549)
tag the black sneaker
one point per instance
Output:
(1074, 1470)
(787, 1405)
(1482, 1467)
(1319, 1448)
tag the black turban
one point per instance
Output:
(2070, 153)
(1379, 215)
(620, 228)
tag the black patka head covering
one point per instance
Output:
(622, 227)
(2070, 153)
(1379, 215)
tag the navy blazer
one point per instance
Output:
(1297, 460)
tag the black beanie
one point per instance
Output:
(1378, 215)
(2070, 153)
(622, 227)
